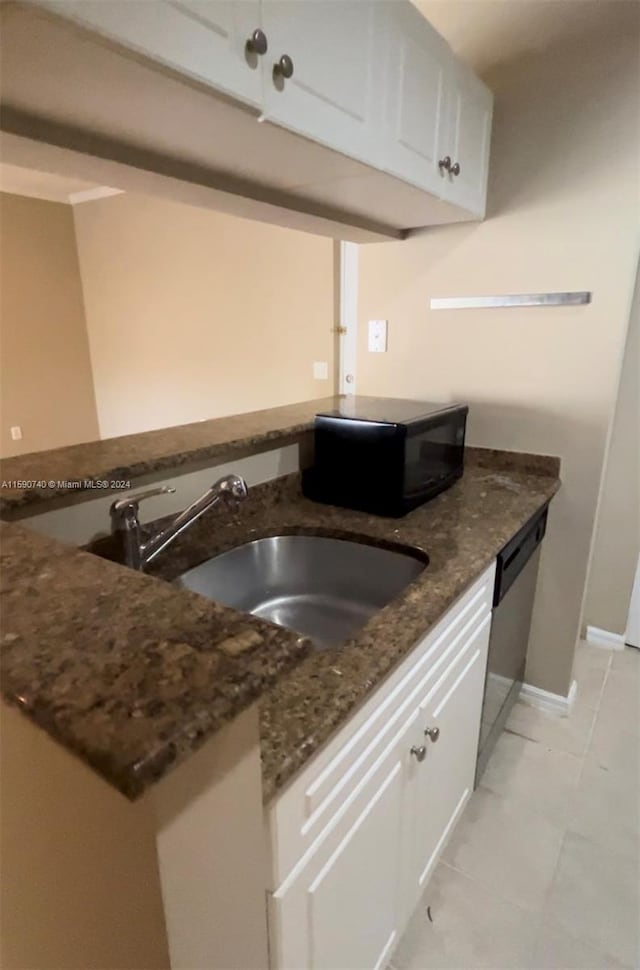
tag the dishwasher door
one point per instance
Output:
(516, 579)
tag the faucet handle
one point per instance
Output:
(132, 501)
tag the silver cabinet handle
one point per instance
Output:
(420, 753)
(455, 168)
(283, 67)
(257, 43)
(432, 733)
(445, 164)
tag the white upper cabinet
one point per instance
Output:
(466, 140)
(204, 39)
(415, 97)
(369, 81)
(322, 75)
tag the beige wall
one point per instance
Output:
(562, 215)
(91, 881)
(47, 388)
(617, 537)
(193, 314)
(80, 884)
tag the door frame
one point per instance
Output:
(348, 326)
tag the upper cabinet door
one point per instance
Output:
(415, 97)
(467, 141)
(204, 39)
(322, 75)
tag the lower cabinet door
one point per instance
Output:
(451, 713)
(340, 911)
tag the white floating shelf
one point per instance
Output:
(510, 300)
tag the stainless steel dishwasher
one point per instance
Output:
(515, 586)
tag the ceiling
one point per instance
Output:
(488, 32)
(44, 185)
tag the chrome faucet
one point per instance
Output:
(141, 544)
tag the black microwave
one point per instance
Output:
(384, 455)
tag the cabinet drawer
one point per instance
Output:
(314, 802)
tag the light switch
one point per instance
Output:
(377, 336)
(320, 370)
(16, 433)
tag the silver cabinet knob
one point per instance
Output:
(445, 164)
(283, 67)
(419, 752)
(455, 168)
(432, 733)
(257, 43)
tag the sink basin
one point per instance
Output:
(323, 588)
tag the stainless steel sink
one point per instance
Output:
(322, 588)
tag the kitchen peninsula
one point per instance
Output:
(197, 713)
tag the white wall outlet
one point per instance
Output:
(377, 336)
(16, 433)
(321, 370)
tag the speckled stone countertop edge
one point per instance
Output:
(128, 672)
(133, 456)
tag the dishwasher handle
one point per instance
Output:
(516, 554)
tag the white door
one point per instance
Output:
(332, 93)
(444, 781)
(415, 98)
(204, 39)
(342, 910)
(632, 635)
(467, 140)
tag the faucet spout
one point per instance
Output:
(140, 546)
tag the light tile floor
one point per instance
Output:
(543, 871)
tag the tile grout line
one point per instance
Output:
(486, 888)
(597, 712)
(583, 759)
(564, 828)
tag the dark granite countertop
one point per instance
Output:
(127, 671)
(133, 674)
(461, 530)
(131, 456)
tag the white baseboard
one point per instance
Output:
(603, 638)
(546, 701)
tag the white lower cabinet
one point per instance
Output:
(440, 792)
(355, 837)
(342, 908)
